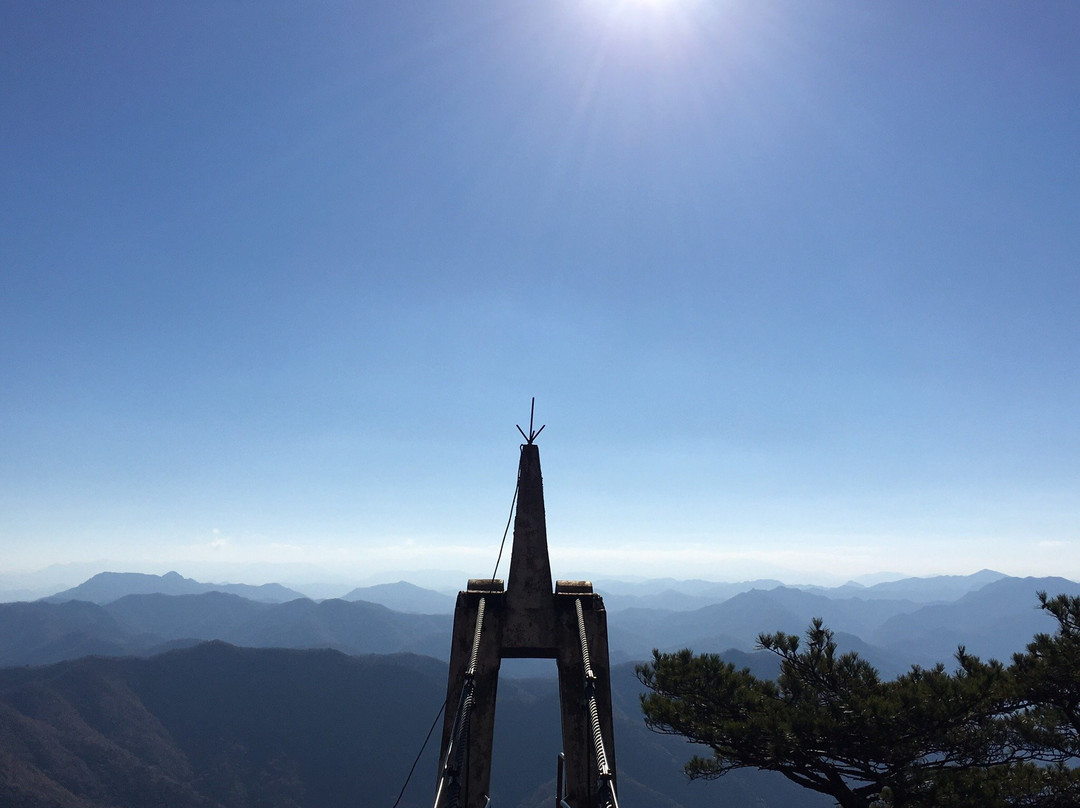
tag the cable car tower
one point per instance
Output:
(528, 619)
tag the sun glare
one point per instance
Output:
(660, 5)
(653, 29)
(645, 13)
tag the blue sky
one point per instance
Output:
(795, 284)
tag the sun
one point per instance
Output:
(641, 11)
(657, 21)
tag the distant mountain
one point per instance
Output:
(405, 597)
(995, 621)
(106, 587)
(356, 627)
(37, 633)
(16, 586)
(737, 622)
(791, 610)
(919, 590)
(689, 595)
(216, 726)
(690, 586)
(43, 632)
(15, 595)
(671, 594)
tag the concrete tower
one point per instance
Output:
(528, 619)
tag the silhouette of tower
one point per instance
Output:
(528, 620)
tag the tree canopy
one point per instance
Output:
(984, 733)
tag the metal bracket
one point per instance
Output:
(532, 435)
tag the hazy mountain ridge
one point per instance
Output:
(43, 632)
(418, 596)
(995, 619)
(202, 725)
(106, 587)
(217, 726)
(671, 594)
(33, 633)
(690, 595)
(923, 590)
(404, 597)
(738, 621)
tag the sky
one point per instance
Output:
(795, 285)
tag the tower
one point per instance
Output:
(528, 619)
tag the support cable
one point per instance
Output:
(506, 530)
(607, 778)
(454, 763)
(423, 746)
(451, 773)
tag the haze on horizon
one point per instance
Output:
(795, 285)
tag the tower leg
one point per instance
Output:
(579, 747)
(466, 776)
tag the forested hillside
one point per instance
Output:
(215, 726)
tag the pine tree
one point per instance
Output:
(981, 734)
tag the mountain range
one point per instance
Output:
(675, 595)
(134, 690)
(216, 726)
(42, 631)
(992, 621)
(106, 587)
(893, 625)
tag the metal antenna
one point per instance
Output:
(532, 435)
